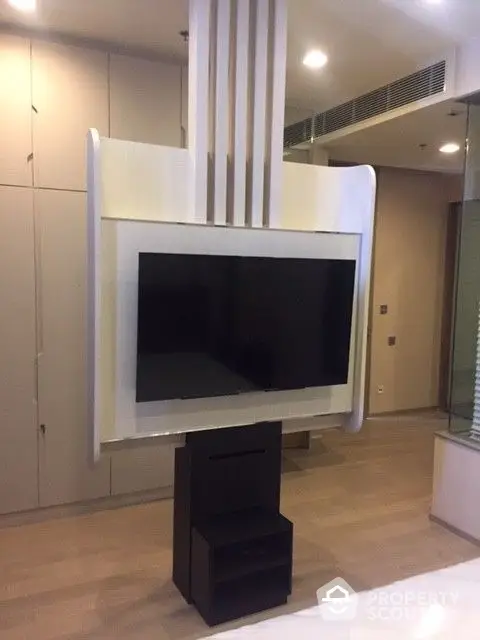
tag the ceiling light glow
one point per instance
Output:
(450, 147)
(315, 59)
(28, 6)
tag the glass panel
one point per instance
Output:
(468, 288)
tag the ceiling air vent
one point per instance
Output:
(421, 84)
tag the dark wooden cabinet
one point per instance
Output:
(232, 547)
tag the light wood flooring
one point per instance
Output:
(359, 504)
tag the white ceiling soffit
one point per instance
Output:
(411, 141)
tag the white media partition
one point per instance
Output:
(138, 200)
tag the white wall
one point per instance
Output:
(50, 94)
(467, 72)
(144, 101)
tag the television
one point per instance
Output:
(220, 325)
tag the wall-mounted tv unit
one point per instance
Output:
(220, 325)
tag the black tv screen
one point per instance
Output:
(216, 325)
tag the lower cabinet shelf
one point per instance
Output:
(241, 564)
(239, 600)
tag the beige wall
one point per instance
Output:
(410, 242)
(43, 260)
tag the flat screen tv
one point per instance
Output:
(219, 325)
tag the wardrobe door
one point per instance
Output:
(143, 468)
(18, 420)
(70, 95)
(15, 111)
(65, 473)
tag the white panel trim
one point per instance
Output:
(222, 111)
(241, 88)
(94, 260)
(257, 167)
(198, 108)
(366, 225)
(274, 175)
(178, 416)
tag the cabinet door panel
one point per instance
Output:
(145, 103)
(65, 474)
(142, 469)
(15, 111)
(18, 420)
(70, 95)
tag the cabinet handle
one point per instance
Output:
(43, 429)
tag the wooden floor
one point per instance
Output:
(359, 504)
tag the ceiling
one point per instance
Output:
(369, 43)
(362, 56)
(152, 26)
(411, 141)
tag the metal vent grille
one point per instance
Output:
(421, 84)
(298, 131)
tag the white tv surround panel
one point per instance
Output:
(134, 192)
(178, 416)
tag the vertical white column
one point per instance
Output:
(274, 163)
(222, 111)
(238, 148)
(94, 300)
(256, 166)
(236, 110)
(198, 114)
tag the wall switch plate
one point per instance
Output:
(383, 309)
(380, 389)
(392, 341)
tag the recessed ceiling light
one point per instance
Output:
(434, 1)
(450, 147)
(28, 6)
(315, 59)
